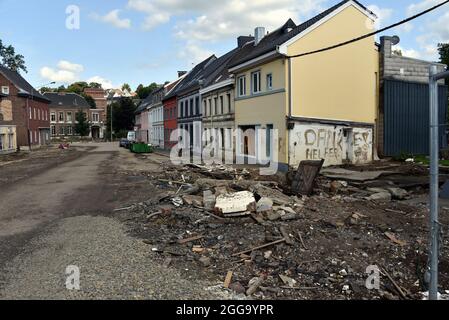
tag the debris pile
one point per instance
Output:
(261, 238)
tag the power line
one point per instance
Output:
(372, 33)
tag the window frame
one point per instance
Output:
(269, 81)
(241, 86)
(253, 82)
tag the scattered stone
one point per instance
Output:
(381, 196)
(343, 273)
(205, 261)
(398, 193)
(264, 205)
(288, 281)
(274, 216)
(253, 285)
(208, 200)
(267, 255)
(237, 287)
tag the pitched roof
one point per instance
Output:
(67, 100)
(144, 104)
(270, 42)
(25, 89)
(191, 80)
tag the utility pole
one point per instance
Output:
(434, 180)
(111, 106)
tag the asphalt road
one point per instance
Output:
(60, 218)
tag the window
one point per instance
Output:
(53, 117)
(34, 111)
(2, 139)
(197, 105)
(69, 117)
(31, 113)
(69, 131)
(270, 81)
(215, 106)
(95, 117)
(210, 107)
(53, 130)
(242, 86)
(255, 82)
(229, 102)
(61, 131)
(61, 116)
(191, 108)
(5, 90)
(182, 110)
(205, 108)
(222, 104)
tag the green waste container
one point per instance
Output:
(141, 148)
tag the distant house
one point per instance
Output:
(63, 110)
(142, 120)
(156, 118)
(170, 102)
(189, 106)
(217, 99)
(24, 113)
(100, 98)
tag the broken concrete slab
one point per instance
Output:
(235, 202)
(349, 175)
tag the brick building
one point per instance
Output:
(100, 97)
(24, 113)
(63, 110)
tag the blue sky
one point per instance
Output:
(144, 41)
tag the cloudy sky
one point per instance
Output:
(144, 41)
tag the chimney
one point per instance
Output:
(259, 33)
(181, 73)
(387, 43)
(242, 40)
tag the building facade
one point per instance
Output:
(321, 106)
(156, 118)
(170, 102)
(100, 97)
(25, 112)
(63, 110)
(8, 136)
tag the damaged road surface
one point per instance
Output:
(60, 216)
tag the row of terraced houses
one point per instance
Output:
(324, 106)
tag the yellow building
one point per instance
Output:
(323, 105)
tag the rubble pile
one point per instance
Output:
(260, 240)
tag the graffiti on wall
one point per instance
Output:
(335, 144)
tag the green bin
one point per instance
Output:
(141, 148)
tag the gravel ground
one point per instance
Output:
(113, 265)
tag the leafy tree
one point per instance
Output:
(82, 127)
(126, 87)
(90, 100)
(77, 87)
(95, 85)
(143, 92)
(443, 50)
(123, 115)
(10, 59)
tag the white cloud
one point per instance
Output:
(217, 20)
(194, 53)
(383, 15)
(411, 53)
(68, 66)
(59, 76)
(415, 8)
(105, 83)
(65, 72)
(114, 19)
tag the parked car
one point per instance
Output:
(125, 143)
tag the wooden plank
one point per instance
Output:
(228, 279)
(184, 241)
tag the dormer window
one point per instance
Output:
(5, 90)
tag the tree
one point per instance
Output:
(443, 50)
(144, 92)
(126, 87)
(90, 100)
(82, 127)
(78, 87)
(10, 59)
(95, 85)
(123, 117)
